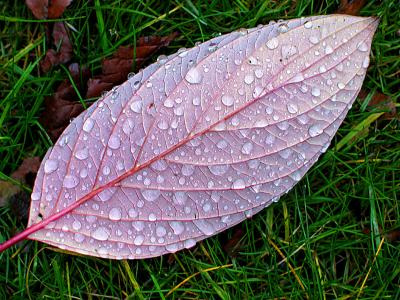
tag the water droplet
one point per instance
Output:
(270, 139)
(288, 51)
(189, 243)
(362, 46)
(194, 76)
(162, 59)
(76, 225)
(207, 207)
(187, 170)
(79, 238)
(259, 73)
(35, 196)
(222, 144)
(257, 91)
(151, 195)
(282, 28)
(212, 47)
(227, 100)
(101, 234)
(106, 194)
(315, 130)
(50, 166)
(365, 62)
(316, 92)
(177, 227)
(341, 85)
(272, 43)
(131, 74)
(88, 125)
(114, 142)
(115, 214)
(238, 184)
(139, 239)
(297, 78)
(82, 154)
(247, 148)
(136, 106)
(261, 123)
(248, 79)
(196, 101)
(322, 69)
(328, 50)
(152, 217)
(127, 126)
(180, 198)
(161, 231)
(313, 39)
(308, 24)
(70, 181)
(163, 125)
(292, 108)
(204, 226)
(83, 173)
(218, 170)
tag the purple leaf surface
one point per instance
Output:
(201, 139)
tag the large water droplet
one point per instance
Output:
(70, 181)
(139, 239)
(101, 234)
(82, 154)
(189, 243)
(194, 76)
(204, 226)
(88, 125)
(114, 142)
(218, 169)
(292, 108)
(136, 106)
(316, 92)
(249, 78)
(315, 130)
(288, 51)
(50, 166)
(115, 214)
(187, 170)
(227, 100)
(238, 184)
(328, 49)
(180, 198)
(272, 43)
(362, 46)
(313, 39)
(76, 225)
(247, 148)
(150, 195)
(308, 24)
(177, 227)
(161, 231)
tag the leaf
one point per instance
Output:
(63, 106)
(116, 69)
(351, 7)
(11, 192)
(200, 140)
(45, 9)
(62, 43)
(380, 101)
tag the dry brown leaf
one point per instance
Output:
(351, 7)
(63, 48)
(45, 9)
(116, 69)
(382, 102)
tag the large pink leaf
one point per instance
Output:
(200, 140)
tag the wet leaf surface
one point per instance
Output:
(201, 140)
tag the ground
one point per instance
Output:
(336, 235)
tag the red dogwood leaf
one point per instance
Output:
(200, 140)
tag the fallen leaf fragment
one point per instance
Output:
(45, 9)
(116, 69)
(63, 48)
(351, 7)
(13, 194)
(382, 102)
(63, 106)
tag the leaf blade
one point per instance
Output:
(201, 140)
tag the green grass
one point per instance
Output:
(324, 240)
